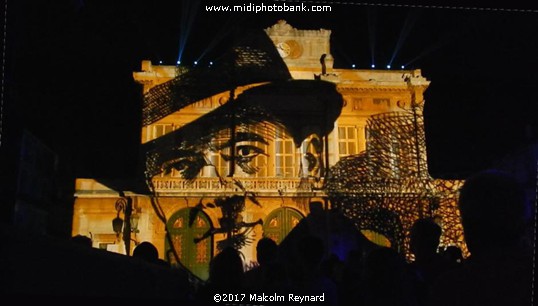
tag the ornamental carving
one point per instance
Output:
(280, 28)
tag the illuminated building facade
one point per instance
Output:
(281, 180)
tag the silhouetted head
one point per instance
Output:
(82, 240)
(316, 208)
(147, 252)
(493, 207)
(266, 250)
(226, 269)
(424, 237)
(453, 254)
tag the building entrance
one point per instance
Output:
(195, 256)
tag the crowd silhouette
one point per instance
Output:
(495, 217)
(494, 214)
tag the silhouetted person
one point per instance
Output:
(323, 64)
(499, 270)
(166, 278)
(350, 288)
(266, 251)
(424, 240)
(226, 275)
(270, 273)
(308, 279)
(82, 240)
(386, 280)
(148, 252)
(453, 255)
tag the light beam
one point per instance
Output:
(410, 20)
(371, 33)
(188, 14)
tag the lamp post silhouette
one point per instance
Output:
(127, 225)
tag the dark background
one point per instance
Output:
(69, 64)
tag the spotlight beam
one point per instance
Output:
(223, 32)
(188, 14)
(430, 49)
(410, 20)
(371, 32)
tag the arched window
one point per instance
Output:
(280, 222)
(195, 256)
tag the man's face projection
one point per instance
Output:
(247, 149)
(272, 130)
(259, 147)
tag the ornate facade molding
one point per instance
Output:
(344, 88)
(282, 28)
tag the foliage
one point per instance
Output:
(231, 223)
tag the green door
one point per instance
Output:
(280, 222)
(195, 256)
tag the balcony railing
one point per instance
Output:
(262, 186)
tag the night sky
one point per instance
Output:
(69, 69)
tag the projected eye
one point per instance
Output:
(188, 167)
(245, 156)
(244, 153)
(248, 151)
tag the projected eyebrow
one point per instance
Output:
(240, 137)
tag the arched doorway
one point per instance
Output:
(195, 256)
(280, 222)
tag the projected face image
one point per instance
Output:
(245, 153)
(257, 152)
(258, 134)
(243, 149)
